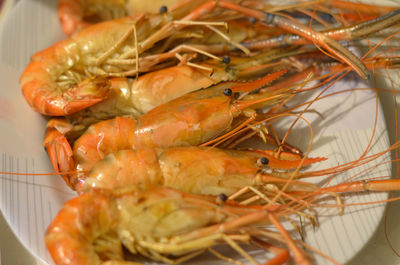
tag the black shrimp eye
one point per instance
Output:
(222, 197)
(228, 92)
(264, 161)
(163, 9)
(226, 59)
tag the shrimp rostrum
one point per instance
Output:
(162, 224)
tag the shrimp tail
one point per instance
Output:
(58, 148)
(74, 244)
(92, 227)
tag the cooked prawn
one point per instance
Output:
(157, 223)
(197, 170)
(216, 171)
(160, 222)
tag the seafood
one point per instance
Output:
(94, 227)
(214, 171)
(71, 75)
(157, 223)
(197, 170)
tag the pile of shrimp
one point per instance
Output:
(151, 109)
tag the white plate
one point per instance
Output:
(30, 202)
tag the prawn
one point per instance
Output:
(52, 82)
(197, 170)
(157, 223)
(160, 222)
(213, 171)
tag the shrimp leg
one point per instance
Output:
(365, 185)
(299, 256)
